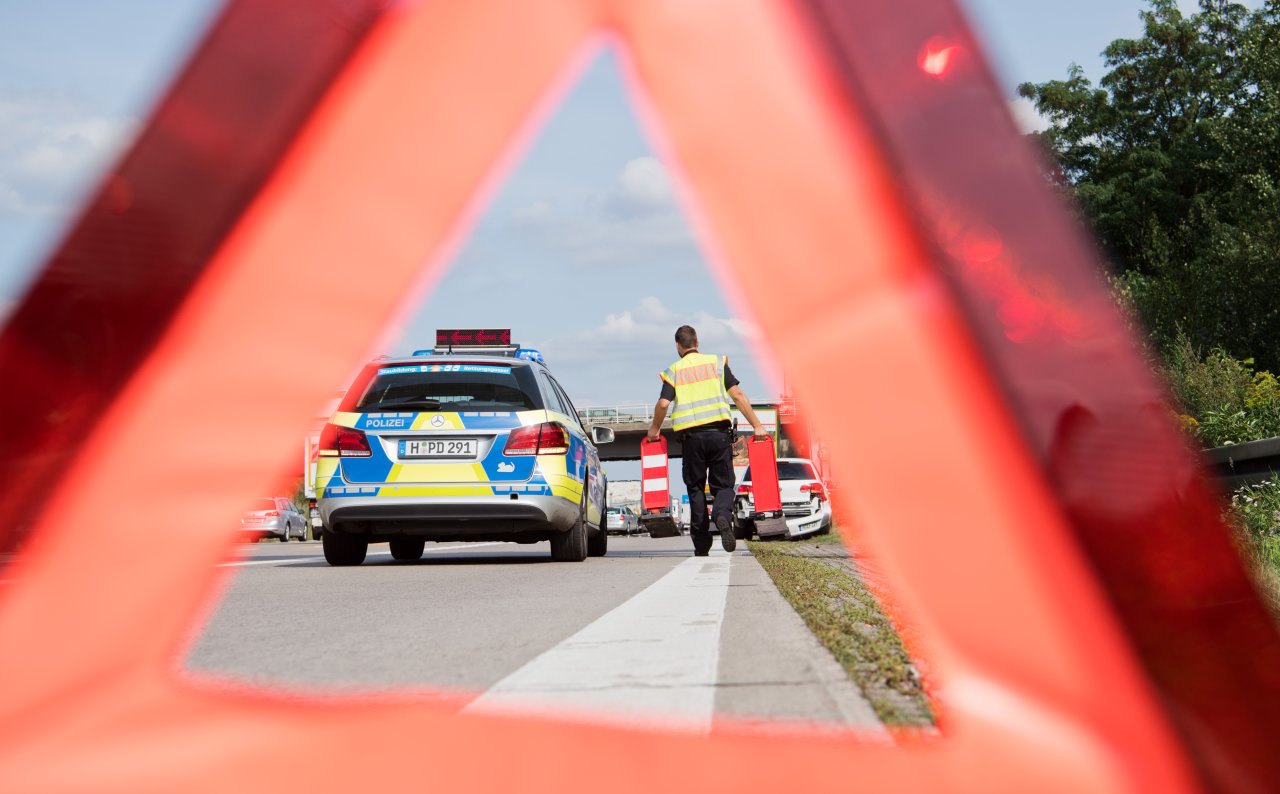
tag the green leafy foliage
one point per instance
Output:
(1223, 400)
(1174, 160)
(1206, 383)
(1255, 512)
(1220, 428)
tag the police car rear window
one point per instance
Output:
(445, 387)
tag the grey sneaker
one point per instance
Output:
(727, 540)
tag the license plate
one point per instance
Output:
(439, 448)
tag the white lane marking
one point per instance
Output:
(280, 561)
(653, 659)
(286, 560)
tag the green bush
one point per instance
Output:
(1204, 383)
(1263, 402)
(1256, 509)
(1222, 399)
(1220, 428)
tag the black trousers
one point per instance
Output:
(708, 454)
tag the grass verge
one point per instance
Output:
(822, 584)
(1254, 514)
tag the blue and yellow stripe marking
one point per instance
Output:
(495, 474)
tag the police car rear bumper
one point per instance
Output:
(450, 518)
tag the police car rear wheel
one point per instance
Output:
(598, 544)
(571, 546)
(340, 549)
(407, 549)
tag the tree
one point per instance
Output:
(1174, 160)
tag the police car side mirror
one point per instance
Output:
(602, 435)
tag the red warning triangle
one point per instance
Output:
(1051, 540)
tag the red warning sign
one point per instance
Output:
(765, 494)
(655, 489)
(1090, 626)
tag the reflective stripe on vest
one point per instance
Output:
(701, 399)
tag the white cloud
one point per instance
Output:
(537, 212)
(643, 189)
(1026, 116)
(51, 150)
(634, 221)
(617, 361)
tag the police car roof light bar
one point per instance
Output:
(508, 351)
(480, 337)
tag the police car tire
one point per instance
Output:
(407, 549)
(571, 546)
(598, 544)
(340, 549)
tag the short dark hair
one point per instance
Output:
(686, 337)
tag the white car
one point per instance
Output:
(805, 504)
(622, 520)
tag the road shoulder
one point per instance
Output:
(773, 668)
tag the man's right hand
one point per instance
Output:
(653, 435)
(760, 431)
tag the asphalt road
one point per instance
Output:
(648, 633)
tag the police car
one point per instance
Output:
(473, 440)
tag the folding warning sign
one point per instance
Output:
(1088, 623)
(653, 474)
(655, 497)
(766, 496)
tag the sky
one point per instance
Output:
(589, 206)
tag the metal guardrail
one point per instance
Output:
(616, 415)
(1245, 464)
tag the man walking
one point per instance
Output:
(701, 385)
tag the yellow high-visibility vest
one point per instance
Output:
(701, 399)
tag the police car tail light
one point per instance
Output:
(344, 442)
(523, 441)
(815, 489)
(553, 440)
(272, 513)
(744, 489)
(547, 438)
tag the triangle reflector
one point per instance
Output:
(1085, 616)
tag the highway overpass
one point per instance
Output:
(630, 424)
